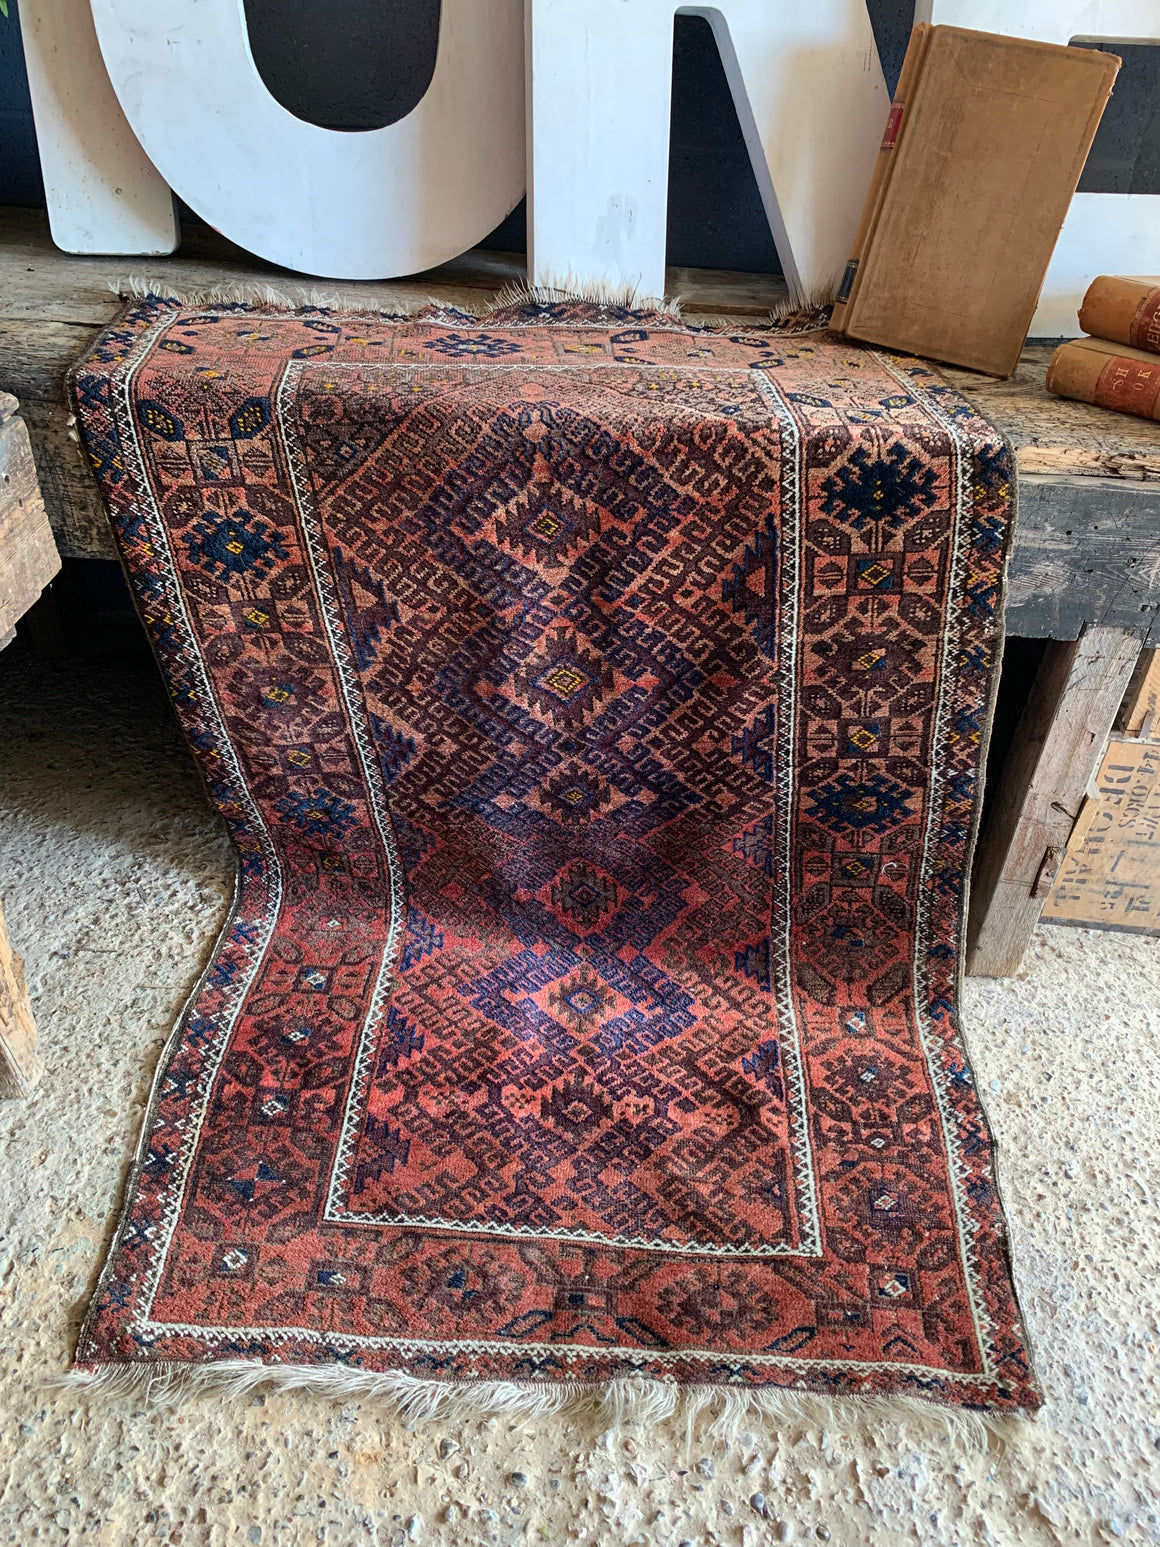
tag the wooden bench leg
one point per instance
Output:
(20, 1063)
(1057, 748)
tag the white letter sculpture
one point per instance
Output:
(1104, 233)
(103, 192)
(810, 99)
(186, 109)
(364, 205)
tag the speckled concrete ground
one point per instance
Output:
(115, 877)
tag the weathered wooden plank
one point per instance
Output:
(1073, 462)
(20, 1062)
(35, 356)
(710, 291)
(34, 359)
(37, 351)
(1057, 747)
(28, 555)
(75, 510)
(1086, 551)
(1089, 478)
(52, 304)
(37, 281)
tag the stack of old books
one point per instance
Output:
(1118, 366)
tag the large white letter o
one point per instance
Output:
(363, 205)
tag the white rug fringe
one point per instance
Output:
(258, 293)
(594, 293)
(139, 287)
(715, 1412)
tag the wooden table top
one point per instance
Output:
(1089, 538)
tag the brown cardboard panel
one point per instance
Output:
(1140, 715)
(977, 189)
(1110, 875)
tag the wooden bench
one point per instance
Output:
(1084, 572)
(1085, 575)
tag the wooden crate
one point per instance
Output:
(1110, 874)
(1140, 715)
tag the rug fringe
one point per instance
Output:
(585, 293)
(817, 298)
(805, 314)
(715, 1412)
(139, 287)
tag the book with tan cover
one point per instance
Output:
(968, 205)
(1123, 308)
(1110, 375)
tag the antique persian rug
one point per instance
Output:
(596, 707)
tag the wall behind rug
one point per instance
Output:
(367, 66)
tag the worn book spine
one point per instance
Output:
(1110, 375)
(907, 80)
(1122, 309)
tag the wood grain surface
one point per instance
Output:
(28, 556)
(1057, 748)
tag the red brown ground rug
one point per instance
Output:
(596, 708)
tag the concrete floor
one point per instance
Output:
(115, 876)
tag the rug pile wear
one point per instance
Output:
(596, 705)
